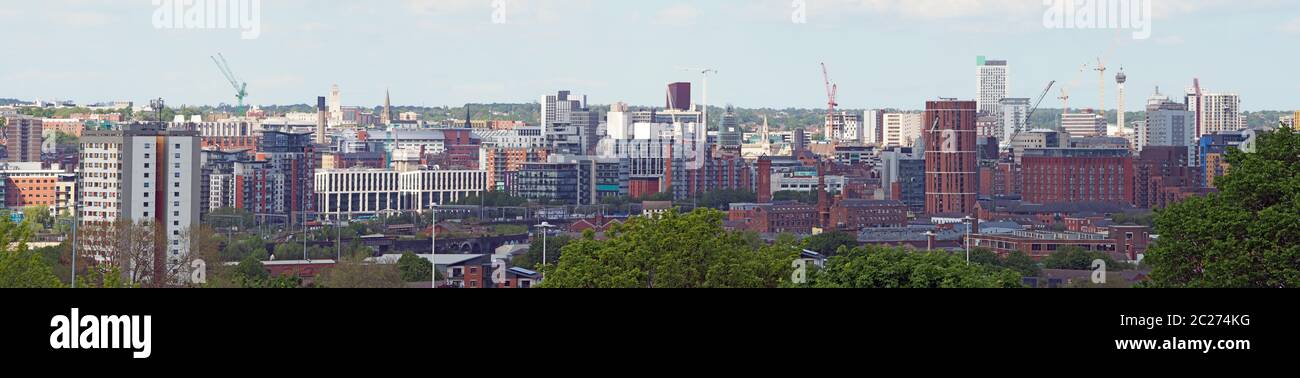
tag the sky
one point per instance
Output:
(881, 53)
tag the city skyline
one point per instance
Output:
(882, 54)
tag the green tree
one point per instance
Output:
(876, 267)
(828, 244)
(1245, 236)
(554, 249)
(250, 272)
(20, 267)
(1075, 258)
(722, 199)
(801, 197)
(1017, 261)
(37, 217)
(354, 273)
(414, 268)
(672, 251)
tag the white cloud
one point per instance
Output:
(1292, 26)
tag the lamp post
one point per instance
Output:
(970, 223)
(433, 254)
(544, 227)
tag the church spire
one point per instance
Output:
(387, 117)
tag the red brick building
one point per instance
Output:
(776, 218)
(951, 157)
(1078, 175)
(764, 180)
(1162, 177)
(855, 215)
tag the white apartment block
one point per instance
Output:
(1080, 125)
(992, 83)
(1013, 118)
(348, 192)
(143, 173)
(1218, 112)
(902, 129)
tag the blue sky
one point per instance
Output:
(882, 53)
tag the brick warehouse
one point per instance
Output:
(951, 159)
(1053, 175)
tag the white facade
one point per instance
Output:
(1080, 125)
(902, 129)
(992, 83)
(1219, 112)
(143, 174)
(373, 191)
(1013, 119)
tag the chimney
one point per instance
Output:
(321, 114)
(668, 172)
(764, 180)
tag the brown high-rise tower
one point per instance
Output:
(950, 157)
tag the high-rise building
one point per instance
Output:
(1215, 112)
(1080, 125)
(679, 96)
(1013, 119)
(950, 157)
(901, 129)
(873, 122)
(1214, 150)
(844, 127)
(799, 141)
(143, 173)
(992, 85)
(336, 104)
(292, 160)
(23, 138)
(1163, 177)
(729, 133)
(1171, 124)
(902, 175)
(556, 108)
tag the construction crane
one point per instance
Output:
(241, 88)
(1030, 115)
(1101, 82)
(832, 90)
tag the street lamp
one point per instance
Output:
(433, 254)
(544, 227)
(970, 223)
